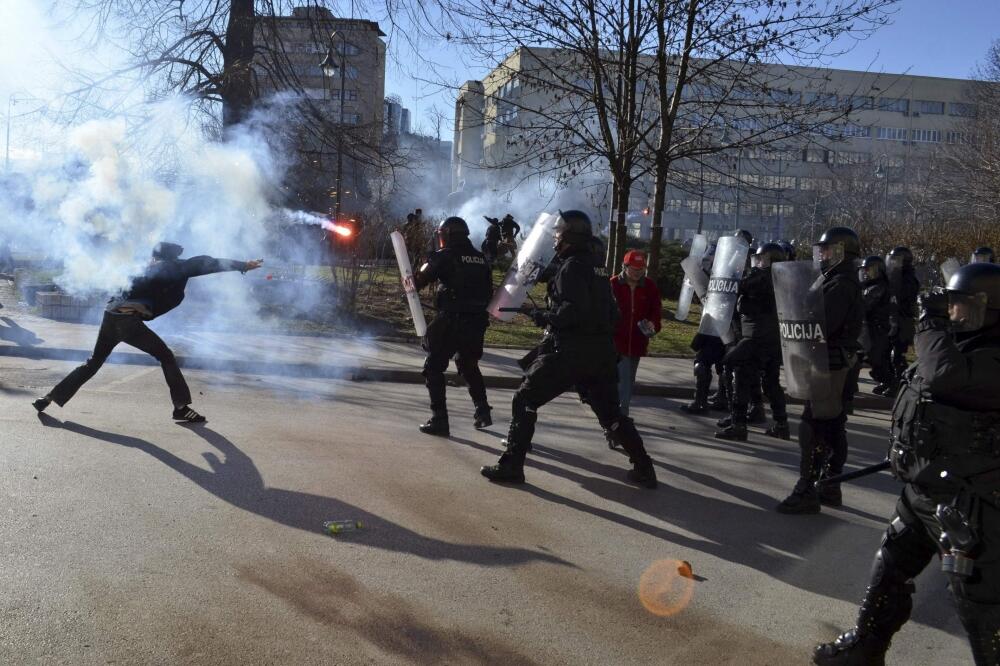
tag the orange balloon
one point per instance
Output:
(666, 587)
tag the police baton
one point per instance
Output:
(521, 310)
(856, 474)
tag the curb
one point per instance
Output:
(350, 372)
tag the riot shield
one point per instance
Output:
(535, 255)
(720, 301)
(695, 280)
(406, 273)
(948, 268)
(798, 293)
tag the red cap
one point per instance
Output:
(635, 259)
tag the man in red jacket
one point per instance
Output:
(639, 302)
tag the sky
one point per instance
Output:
(926, 37)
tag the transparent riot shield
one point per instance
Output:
(535, 255)
(798, 293)
(723, 285)
(948, 268)
(695, 280)
(406, 273)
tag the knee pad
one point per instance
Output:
(521, 408)
(982, 624)
(703, 370)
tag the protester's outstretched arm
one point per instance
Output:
(205, 265)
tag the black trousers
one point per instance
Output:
(911, 543)
(757, 366)
(131, 330)
(823, 431)
(459, 336)
(592, 372)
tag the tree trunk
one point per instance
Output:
(621, 229)
(656, 229)
(609, 260)
(237, 62)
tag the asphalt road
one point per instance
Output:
(129, 539)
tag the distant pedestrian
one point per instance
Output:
(639, 301)
(157, 291)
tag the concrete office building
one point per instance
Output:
(352, 93)
(879, 149)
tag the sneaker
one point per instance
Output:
(436, 426)
(724, 422)
(188, 415)
(612, 444)
(696, 408)
(42, 403)
(779, 429)
(804, 499)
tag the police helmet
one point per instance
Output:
(983, 255)
(899, 257)
(872, 268)
(974, 297)
(837, 244)
(789, 249)
(167, 251)
(451, 230)
(572, 229)
(745, 235)
(769, 253)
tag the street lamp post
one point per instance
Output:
(10, 111)
(882, 173)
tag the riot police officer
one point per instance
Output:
(756, 358)
(905, 287)
(577, 351)
(875, 330)
(983, 255)
(823, 427)
(945, 435)
(465, 286)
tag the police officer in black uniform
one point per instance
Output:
(756, 358)
(905, 288)
(492, 239)
(823, 426)
(946, 449)
(577, 351)
(709, 352)
(465, 286)
(875, 332)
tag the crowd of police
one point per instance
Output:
(821, 320)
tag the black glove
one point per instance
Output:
(933, 304)
(540, 317)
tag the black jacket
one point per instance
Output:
(509, 229)
(581, 303)
(465, 283)
(844, 310)
(877, 303)
(161, 288)
(756, 307)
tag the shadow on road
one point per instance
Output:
(235, 479)
(13, 332)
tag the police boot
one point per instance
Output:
(612, 444)
(642, 473)
(510, 467)
(696, 408)
(720, 401)
(724, 422)
(779, 429)
(852, 649)
(830, 494)
(703, 379)
(735, 429)
(436, 425)
(757, 415)
(803, 499)
(482, 418)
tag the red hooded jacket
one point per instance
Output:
(637, 304)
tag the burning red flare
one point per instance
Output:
(343, 230)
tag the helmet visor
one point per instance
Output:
(967, 312)
(760, 261)
(893, 263)
(981, 258)
(828, 255)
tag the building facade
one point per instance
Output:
(863, 145)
